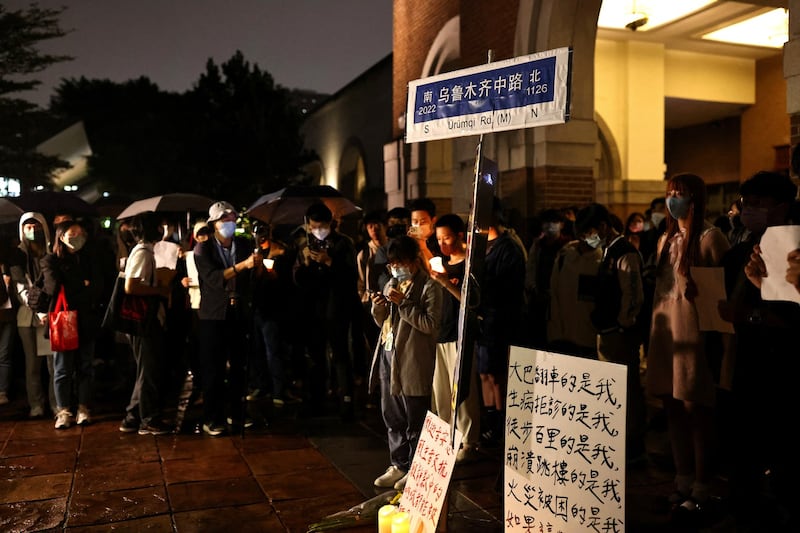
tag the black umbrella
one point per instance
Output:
(289, 205)
(51, 203)
(9, 211)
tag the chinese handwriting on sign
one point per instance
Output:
(565, 444)
(429, 475)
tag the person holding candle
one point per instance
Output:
(450, 231)
(409, 313)
(272, 285)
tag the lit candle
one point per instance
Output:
(385, 518)
(269, 263)
(400, 522)
(436, 264)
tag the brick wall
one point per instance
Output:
(485, 26)
(555, 186)
(415, 26)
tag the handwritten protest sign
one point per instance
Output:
(565, 444)
(430, 474)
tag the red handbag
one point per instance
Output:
(63, 326)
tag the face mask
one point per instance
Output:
(593, 240)
(755, 218)
(647, 226)
(321, 233)
(75, 243)
(552, 229)
(32, 234)
(678, 207)
(657, 218)
(401, 273)
(227, 230)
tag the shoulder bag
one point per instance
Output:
(130, 313)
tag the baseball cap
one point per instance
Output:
(219, 210)
(200, 228)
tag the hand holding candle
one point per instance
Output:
(269, 263)
(436, 264)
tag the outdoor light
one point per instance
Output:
(770, 29)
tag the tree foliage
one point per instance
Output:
(24, 125)
(234, 136)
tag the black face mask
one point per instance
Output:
(396, 230)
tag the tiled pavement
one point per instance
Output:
(275, 479)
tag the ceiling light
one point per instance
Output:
(770, 29)
(644, 15)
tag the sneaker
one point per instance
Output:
(4, 398)
(214, 430)
(248, 422)
(401, 483)
(154, 428)
(36, 412)
(390, 477)
(63, 419)
(83, 417)
(129, 424)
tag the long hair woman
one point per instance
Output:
(678, 369)
(71, 266)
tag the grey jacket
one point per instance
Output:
(415, 328)
(26, 270)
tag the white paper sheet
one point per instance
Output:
(710, 283)
(166, 254)
(776, 244)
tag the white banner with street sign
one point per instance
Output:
(521, 92)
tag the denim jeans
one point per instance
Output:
(268, 364)
(74, 368)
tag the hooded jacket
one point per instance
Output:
(25, 269)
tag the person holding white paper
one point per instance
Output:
(678, 368)
(764, 372)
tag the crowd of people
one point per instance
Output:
(316, 316)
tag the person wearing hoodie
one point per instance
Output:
(34, 236)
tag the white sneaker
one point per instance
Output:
(401, 483)
(83, 416)
(390, 477)
(4, 398)
(36, 412)
(63, 419)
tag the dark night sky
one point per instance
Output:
(307, 44)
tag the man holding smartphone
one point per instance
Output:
(327, 276)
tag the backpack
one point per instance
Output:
(608, 293)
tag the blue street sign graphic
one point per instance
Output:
(522, 92)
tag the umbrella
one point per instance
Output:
(9, 211)
(289, 205)
(51, 203)
(166, 203)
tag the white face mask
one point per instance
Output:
(657, 218)
(593, 240)
(227, 229)
(401, 273)
(321, 233)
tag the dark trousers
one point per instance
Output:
(223, 342)
(336, 332)
(145, 403)
(403, 416)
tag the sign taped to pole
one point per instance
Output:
(522, 92)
